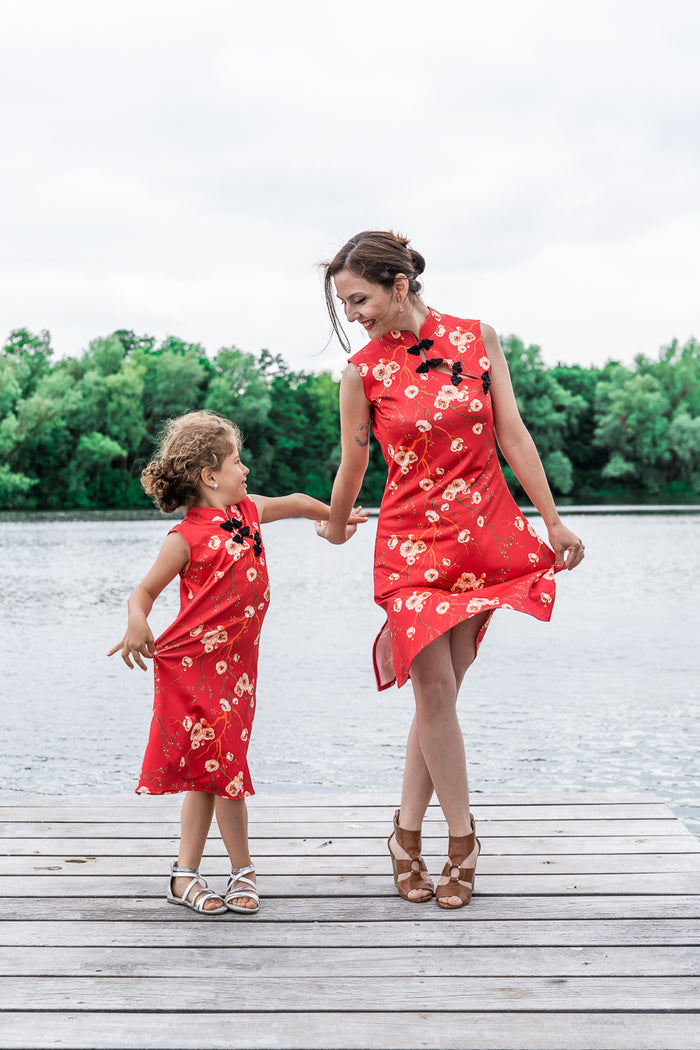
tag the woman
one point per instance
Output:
(451, 544)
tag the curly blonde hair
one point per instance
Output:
(187, 445)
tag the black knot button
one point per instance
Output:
(240, 532)
(424, 344)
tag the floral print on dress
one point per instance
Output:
(206, 661)
(451, 541)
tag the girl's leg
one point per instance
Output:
(195, 821)
(232, 818)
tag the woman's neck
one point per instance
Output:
(415, 317)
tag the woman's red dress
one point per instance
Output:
(451, 542)
(206, 661)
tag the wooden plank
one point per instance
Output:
(311, 814)
(324, 863)
(359, 909)
(346, 829)
(487, 994)
(311, 847)
(390, 1030)
(291, 798)
(365, 961)
(366, 886)
(581, 932)
(581, 905)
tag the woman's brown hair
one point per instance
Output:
(377, 256)
(187, 446)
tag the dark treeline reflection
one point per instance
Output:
(76, 431)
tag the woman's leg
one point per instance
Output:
(417, 789)
(232, 818)
(438, 732)
(416, 793)
(195, 821)
(435, 753)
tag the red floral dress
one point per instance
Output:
(205, 663)
(451, 541)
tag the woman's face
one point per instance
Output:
(373, 306)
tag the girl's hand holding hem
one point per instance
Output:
(137, 642)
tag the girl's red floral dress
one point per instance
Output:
(205, 663)
(451, 541)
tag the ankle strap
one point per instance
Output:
(243, 871)
(175, 869)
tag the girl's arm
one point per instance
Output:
(138, 640)
(517, 446)
(354, 430)
(298, 505)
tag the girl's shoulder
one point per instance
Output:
(248, 510)
(181, 527)
(198, 519)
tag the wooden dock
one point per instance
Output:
(583, 933)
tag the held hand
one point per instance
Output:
(357, 517)
(137, 643)
(564, 541)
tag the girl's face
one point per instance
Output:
(231, 479)
(373, 306)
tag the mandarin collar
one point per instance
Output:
(206, 515)
(427, 331)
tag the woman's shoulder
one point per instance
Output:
(369, 353)
(446, 323)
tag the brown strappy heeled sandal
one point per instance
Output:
(410, 874)
(460, 880)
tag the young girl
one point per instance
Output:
(205, 662)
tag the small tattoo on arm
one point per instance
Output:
(359, 440)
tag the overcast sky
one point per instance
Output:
(181, 168)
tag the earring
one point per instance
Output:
(400, 306)
(215, 485)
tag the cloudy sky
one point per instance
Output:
(181, 168)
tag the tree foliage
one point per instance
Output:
(76, 432)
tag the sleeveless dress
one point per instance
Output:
(205, 662)
(451, 541)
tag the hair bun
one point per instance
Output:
(417, 260)
(403, 241)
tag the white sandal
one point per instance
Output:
(200, 898)
(233, 894)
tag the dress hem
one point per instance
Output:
(201, 791)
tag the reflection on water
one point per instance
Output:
(604, 697)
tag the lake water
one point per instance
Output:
(605, 697)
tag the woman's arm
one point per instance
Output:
(138, 639)
(354, 433)
(519, 449)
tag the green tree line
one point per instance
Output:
(76, 431)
